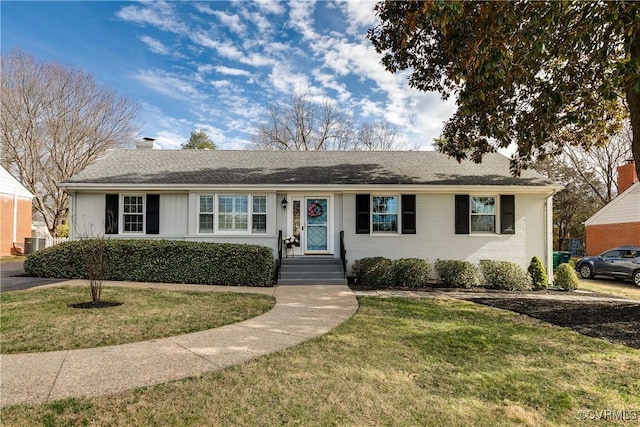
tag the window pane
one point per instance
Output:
(385, 204)
(259, 204)
(241, 222)
(482, 223)
(206, 204)
(225, 222)
(259, 223)
(241, 204)
(483, 205)
(206, 223)
(385, 222)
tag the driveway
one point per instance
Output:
(12, 278)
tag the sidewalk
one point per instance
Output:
(300, 313)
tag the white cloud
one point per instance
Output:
(359, 14)
(270, 6)
(203, 8)
(159, 14)
(154, 45)
(168, 84)
(221, 69)
(205, 68)
(231, 21)
(219, 84)
(301, 18)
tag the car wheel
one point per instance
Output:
(586, 272)
(636, 277)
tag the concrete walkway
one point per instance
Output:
(300, 313)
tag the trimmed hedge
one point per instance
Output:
(505, 275)
(383, 272)
(166, 261)
(566, 278)
(411, 272)
(458, 274)
(374, 271)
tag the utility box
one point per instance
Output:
(32, 244)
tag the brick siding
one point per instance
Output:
(6, 223)
(606, 236)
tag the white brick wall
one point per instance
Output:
(436, 238)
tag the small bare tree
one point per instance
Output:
(307, 125)
(54, 121)
(93, 254)
(93, 247)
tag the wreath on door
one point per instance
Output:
(315, 210)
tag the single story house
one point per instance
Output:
(15, 214)
(618, 222)
(394, 204)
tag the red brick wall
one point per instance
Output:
(606, 236)
(6, 222)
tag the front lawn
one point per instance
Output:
(41, 320)
(618, 288)
(400, 362)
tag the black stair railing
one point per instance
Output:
(343, 254)
(279, 260)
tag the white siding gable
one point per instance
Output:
(624, 208)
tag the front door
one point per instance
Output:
(317, 225)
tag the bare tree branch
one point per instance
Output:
(54, 122)
(307, 125)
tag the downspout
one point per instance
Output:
(15, 216)
(548, 213)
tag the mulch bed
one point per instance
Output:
(614, 321)
(91, 305)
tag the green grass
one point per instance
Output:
(617, 288)
(11, 258)
(400, 362)
(41, 320)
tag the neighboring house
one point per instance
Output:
(617, 223)
(15, 213)
(393, 204)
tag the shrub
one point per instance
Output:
(538, 274)
(566, 278)
(458, 274)
(161, 261)
(411, 272)
(374, 271)
(505, 275)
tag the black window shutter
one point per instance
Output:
(408, 214)
(362, 214)
(111, 214)
(153, 214)
(507, 214)
(462, 214)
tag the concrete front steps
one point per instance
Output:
(311, 271)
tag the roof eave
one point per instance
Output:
(547, 189)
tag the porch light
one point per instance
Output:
(284, 203)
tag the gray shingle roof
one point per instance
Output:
(218, 167)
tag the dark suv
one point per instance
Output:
(622, 263)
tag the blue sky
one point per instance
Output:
(219, 66)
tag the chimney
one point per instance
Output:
(147, 144)
(626, 176)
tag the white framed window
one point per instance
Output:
(259, 214)
(133, 213)
(384, 214)
(206, 213)
(233, 213)
(482, 214)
